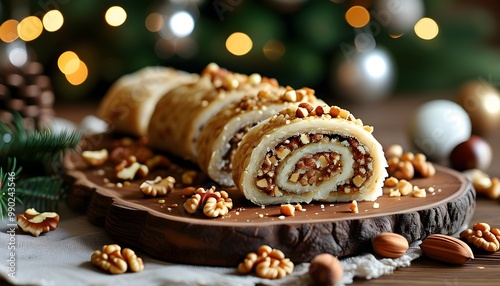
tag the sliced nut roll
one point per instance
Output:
(183, 112)
(129, 103)
(220, 138)
(309, 153)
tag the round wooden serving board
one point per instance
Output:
(166, 231)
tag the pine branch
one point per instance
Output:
(36, 147)
(38, 151)
(42, 193)
(8, 189)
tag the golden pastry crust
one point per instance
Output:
(181, 115)
(129, 103)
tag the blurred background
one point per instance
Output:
(363, 49)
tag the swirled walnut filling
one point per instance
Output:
(227, 158)
(315, 168)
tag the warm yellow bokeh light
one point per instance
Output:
(79, 76)
(274, 50)
(426, 28)
(357, 16)
(68, 62)
(8, 31)
(115, 16)
(395, 36)
(53, 20)
(239, 44)
(154, 22)
(29, 28)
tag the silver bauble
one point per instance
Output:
(397, 16)
(365, 76)
(438, 126)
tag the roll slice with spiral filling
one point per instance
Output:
(310, 153)
(222, 134)
(182, 113)
(129, 103)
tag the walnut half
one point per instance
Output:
(213, 204)
(483, 236)
(115, 260)
(158, 186)
(36, 223)
(130, 168)
(267, 263)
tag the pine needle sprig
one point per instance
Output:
(8, 194)
(40, 153)
(42, 193)
(36, 147)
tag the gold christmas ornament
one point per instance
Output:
(481, 101)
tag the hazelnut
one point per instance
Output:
(325, 269)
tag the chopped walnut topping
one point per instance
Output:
(353, 206)
(391, 182)
(404, 187)
(287, 210)
(418, 192)
(394, 193)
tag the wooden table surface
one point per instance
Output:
(389, 119)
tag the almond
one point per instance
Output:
(447, 249)
(390, 245)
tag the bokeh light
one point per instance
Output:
(426, 28)
(68, 62)
(181, 23)
(274, 50)
(115, 16)
(357, 16)
(79, 76)
(154, 22)
(394, 36)
(18, 56)
(239, 44)
(53, 20)
(29, 28)
(375, 65)
(365, 42)
(8, 31)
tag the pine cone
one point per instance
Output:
(28, 91)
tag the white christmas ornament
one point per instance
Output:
(437, 127)
(363, 76)
(397, 16)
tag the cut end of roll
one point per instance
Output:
(308, 153)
